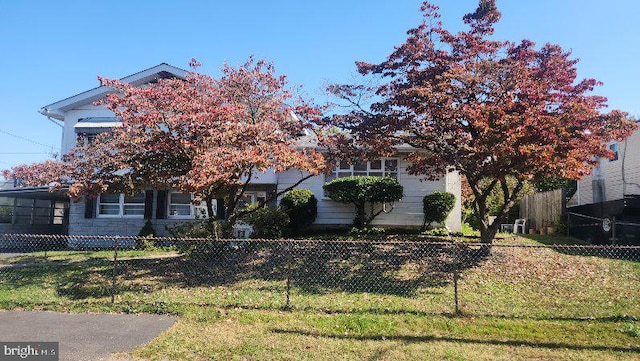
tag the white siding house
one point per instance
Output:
(612, 179)
(122, 216)
(406, 213)
(606, 206)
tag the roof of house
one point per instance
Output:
(35, 193)
(56, 110)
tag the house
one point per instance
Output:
(32, 210)
(613, 178)
(115, 214)
(606, 205)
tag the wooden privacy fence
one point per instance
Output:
(543, 210)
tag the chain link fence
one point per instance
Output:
(391, 276)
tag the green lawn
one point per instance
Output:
(380, 301)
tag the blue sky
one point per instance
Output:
(55, 49)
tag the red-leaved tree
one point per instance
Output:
(211, 137)
(491, 110)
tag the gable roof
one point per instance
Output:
(56, 110)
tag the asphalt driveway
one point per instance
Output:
(83, 336)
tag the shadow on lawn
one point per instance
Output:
(576, 247)
(409, 338)
(387, 268)
(313, 267)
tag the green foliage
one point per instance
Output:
(192, 229)
(369, 231)
(440, 231)
(146, 235)
(147, 230)
(200, 229)
(437, 207)
(551, 183)
(632, 330)
(267, 222)
(5, 214)
(562, 227)
(301, 206)
(360, 191)
(367, 189)
(495, 201)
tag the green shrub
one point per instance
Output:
(443, 231)
(267, 222)
(437, 207)
(147, 230)
(5, 214)
(302, 208)
(199, 229)
(361, 191)
(145, 236)
(369, 231)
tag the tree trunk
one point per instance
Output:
(211, 218)
(220, 205)
(488, 233)
(360, 220)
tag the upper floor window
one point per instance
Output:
(615, 148)
(84, 139)
(181, 206)
(120, 205)
(385, 167)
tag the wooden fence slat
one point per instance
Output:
(543, 209)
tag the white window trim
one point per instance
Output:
(184, 216)
(121, 205)
(192, 209)
(336, 170)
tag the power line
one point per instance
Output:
(25, 139)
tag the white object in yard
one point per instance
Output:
(242, 230)
(520, 224)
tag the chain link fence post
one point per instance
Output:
(288, 265)
(456, 276)
(114, 269)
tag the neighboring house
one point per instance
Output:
(612, 179)
(115, 214)
(606, 204)
(32, 210)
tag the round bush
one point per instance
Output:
(267, 223)
(301, 206)
(437, 207)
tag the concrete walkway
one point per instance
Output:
(83, 336)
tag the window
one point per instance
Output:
(84, 139)
(386, 167)
(120, 205)
(182, 207)
(615, 148)
(249, 198)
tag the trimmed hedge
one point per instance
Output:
(360, 191)
(437, 207)
(301, 206)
